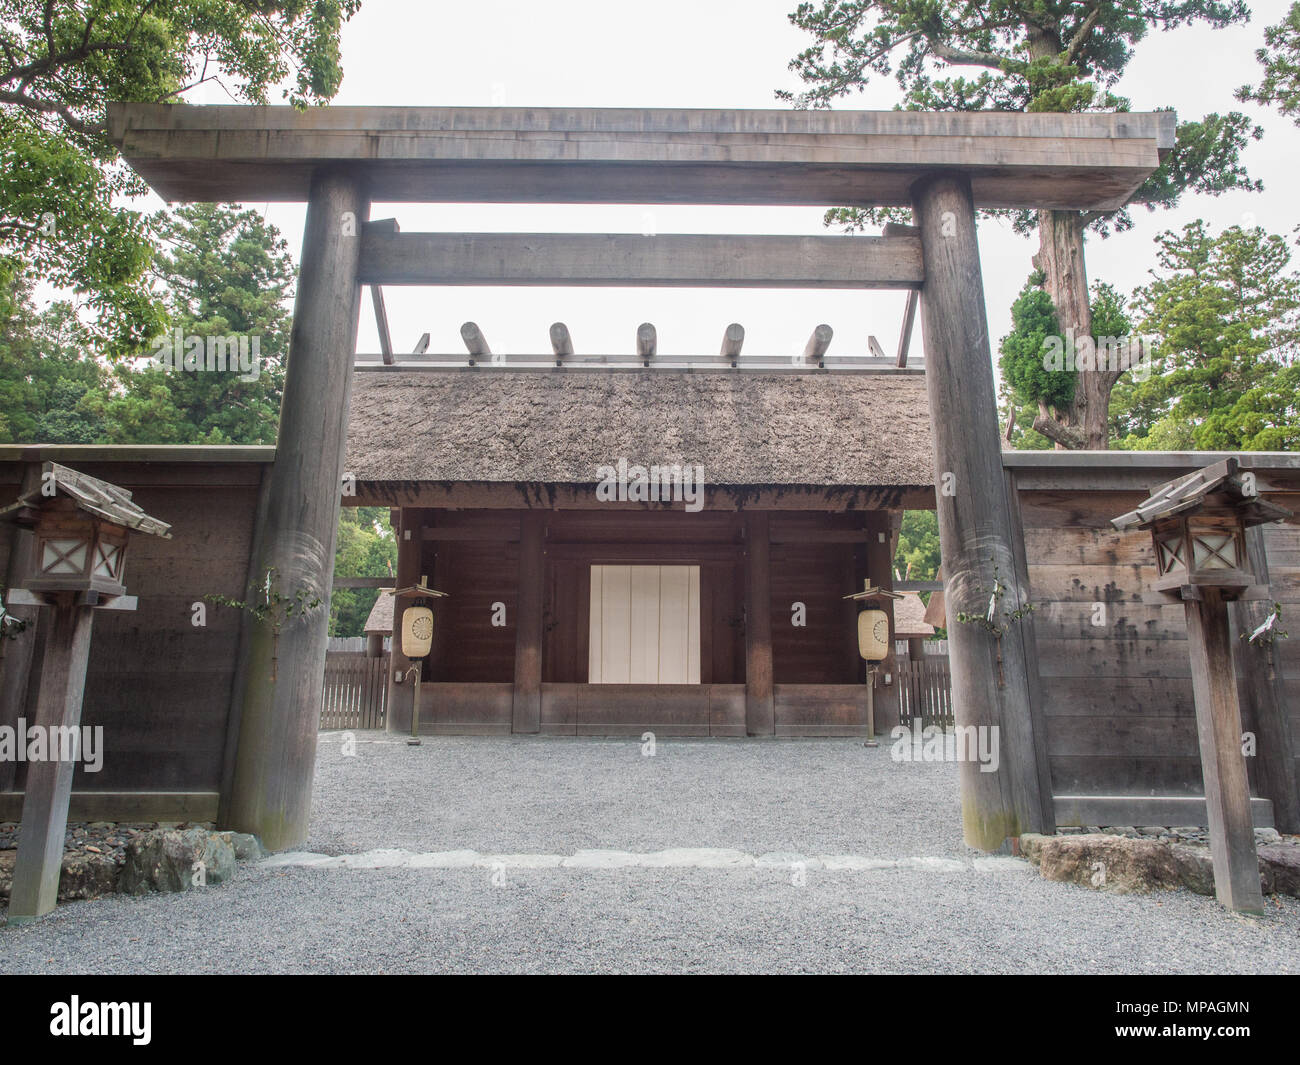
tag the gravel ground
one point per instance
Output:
(530, 796)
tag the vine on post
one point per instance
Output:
(274, 608)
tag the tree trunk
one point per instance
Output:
(1084, 424)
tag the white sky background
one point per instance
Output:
(722, 54)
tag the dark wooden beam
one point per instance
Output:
(760, 708)
(527, 712)
(16, 665)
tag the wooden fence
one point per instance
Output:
(925, 691)
(356, 691)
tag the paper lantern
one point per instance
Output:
(873, 635)
(417, 631)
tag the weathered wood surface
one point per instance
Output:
(760, 711)
(976, 531)
(16, 664)
(528, 631)
(271, 789)
(1218, 726)
(818, 344)
(574, 155)
(1174, 810)
(48, 784)
(1266, 690)
(631, 260)
(1116, 671)
(475, 343)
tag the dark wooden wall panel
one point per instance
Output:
(1118, 696)
(158, 685)
(818, 652)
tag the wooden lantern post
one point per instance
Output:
(1198, 524)
(81, 528)
(416, 639)
(873, 644)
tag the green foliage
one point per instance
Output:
(62, 63)
(1280, 58)
(918, 545)
(1226, 312)
(1027, 55)
(48, 383)
(1024, 350)
(223, 273)
(366, 548)
(1028, 384)
(226, 273)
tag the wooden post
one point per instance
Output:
(278, 721)
(401, 696)
(16, 666)
(35, 889)
(1266, 691)
(1218, 729)
(528, 625)
(880, 572)
(760, 707)
(975, 529)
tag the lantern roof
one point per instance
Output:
(97, 498)
(1192, 491)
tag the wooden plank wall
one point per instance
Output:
(1115, 670)
(159, 685)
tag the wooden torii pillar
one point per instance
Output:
(977, 535)
(270, 792)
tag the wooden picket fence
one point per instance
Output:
(925, 691)
(356, 691)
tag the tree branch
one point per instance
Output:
(1059, 433)
(1082, 33)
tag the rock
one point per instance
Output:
(7, 859)
(1267, 835)
(87, 876)
(1282, 866)
(245, 846)
(1195, 867)
(165, 860)
(83, 876)
(1109, 863)
(1031, 845)
(1151, 830)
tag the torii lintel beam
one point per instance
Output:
(598, 155)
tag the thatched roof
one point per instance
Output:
(745, 428)
(380, 618)
(909, 617)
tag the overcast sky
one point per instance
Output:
(721, 54)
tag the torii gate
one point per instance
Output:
(943, 165)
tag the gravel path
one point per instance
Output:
(539, 796)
